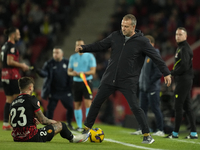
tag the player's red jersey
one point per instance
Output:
(9, 72)
(22, 114)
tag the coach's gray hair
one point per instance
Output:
(130, 17)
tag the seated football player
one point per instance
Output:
(25, 113)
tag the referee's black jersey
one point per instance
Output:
(22, 114)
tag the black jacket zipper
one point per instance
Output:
(118, 62)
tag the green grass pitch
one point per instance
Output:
(116, 138)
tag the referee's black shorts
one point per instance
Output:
(80, 91)
(10, 87)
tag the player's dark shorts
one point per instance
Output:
(44, 134)
(10, 87)
(80, 91)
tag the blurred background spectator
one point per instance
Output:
(42, 23)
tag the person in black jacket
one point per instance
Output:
(149, 86)
(57, 84)
(183, 75)
(128, 50)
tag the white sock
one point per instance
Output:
(6, 124)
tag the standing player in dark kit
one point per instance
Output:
(183, 75)
(57, 84)
(129, 48)
(10, 71)
(23, 111)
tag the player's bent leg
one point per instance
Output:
(57, 127)
(66, 133)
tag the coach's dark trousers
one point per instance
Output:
(183, 102)
(105, 91)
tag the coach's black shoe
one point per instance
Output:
(86, 130)
(171, 136)
(191, 137)
(148, 140)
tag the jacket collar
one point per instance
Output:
(182, 43)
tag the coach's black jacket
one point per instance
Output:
(183, 61)
(126, 59)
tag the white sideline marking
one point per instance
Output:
(130, 145)
(126, 144)
(187, 141)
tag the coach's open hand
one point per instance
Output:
(168, 80)
(78, 48)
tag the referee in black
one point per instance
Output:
(183, 75)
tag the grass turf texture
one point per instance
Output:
(115, 133)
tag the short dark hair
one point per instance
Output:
(131, 17)
(182, 28)
(79, 39)
(58, 47)
(9, 31)
(151, 39)
(24, 82)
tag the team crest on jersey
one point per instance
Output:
(12, 50)
(75, 64)
(49, 131)
(64, 66)
(38, 103)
